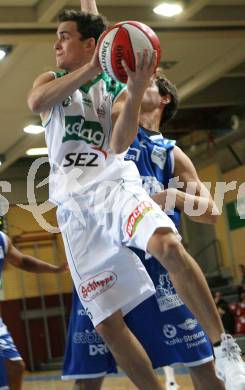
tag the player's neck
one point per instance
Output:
(149, 121)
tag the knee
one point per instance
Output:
(171, 247)
(171, 252)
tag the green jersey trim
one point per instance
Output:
(86, 87)
(112, 86)
(60, 73)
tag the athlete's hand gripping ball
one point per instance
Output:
(124, 41)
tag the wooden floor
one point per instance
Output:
(50, 381)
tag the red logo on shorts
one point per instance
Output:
(97, 285)
(136, 216)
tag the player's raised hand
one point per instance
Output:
(145, 66)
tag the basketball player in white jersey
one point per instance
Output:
(102, 208)
(9, 354)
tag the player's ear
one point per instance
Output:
(166, 99)
(90, 43)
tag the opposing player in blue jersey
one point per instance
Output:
(9, 354)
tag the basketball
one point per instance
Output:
(122, 41)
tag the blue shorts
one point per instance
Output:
(3, 376)
(165, 327)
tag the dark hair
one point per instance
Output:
(89, 26)
(167, 88)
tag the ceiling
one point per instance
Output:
(203, 54)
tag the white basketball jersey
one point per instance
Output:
(78, 133)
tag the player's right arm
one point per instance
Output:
(41, 80)
(89, 6)
(47, 91)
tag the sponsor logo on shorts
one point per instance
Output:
(97, 285)
(87, 337)
(166, 296)
(189, 341)
(84, 312)
(95, 343)
(100, 349)
(169, 331)
(137, 216)
(189, 324)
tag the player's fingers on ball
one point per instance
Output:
(125, 67)
(152, 65)
(145, 62)
(138, 59)
(153, 61)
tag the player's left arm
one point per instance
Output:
(193, 195)
(30, 263)
(194, 192)
(125, 112)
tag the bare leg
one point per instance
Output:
(15, 371)
(128, 352)
(88, 384)
(203, 375)
(187, 279)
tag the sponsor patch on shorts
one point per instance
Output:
(136, 216)
(98, 284)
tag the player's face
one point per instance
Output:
(69, 48)
(151, 96)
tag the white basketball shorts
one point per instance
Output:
(97, 227)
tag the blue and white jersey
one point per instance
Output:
(153, 156)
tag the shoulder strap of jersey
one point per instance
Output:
(113, 86)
